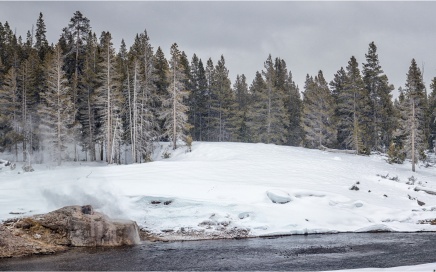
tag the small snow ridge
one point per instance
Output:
(308, 194)
(375, 228)
(278, 196)
(337, 159)
(243, 215)
(358, 204)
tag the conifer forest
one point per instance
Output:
(85, 98)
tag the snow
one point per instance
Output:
(421, 267)
(234, 185)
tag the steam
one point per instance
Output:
(99, 196)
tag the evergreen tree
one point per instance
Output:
(144, 127)
(239, 119)
(9, 111)
(109, 98)
(88, 84)
(376, 83)
(175, 111)
(294, 108)
(432, 115)
(352, 102)
(41, 43)
(210, 74)
(413, 116)
(221, 100)
(56, 110)
(318, 113)
(162, 83)
(197, 98)
(162, 80)
(271, 107)
(256, 112)
(75, 35)
(30, 85)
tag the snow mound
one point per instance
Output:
(279, 196)
(375, 228)
(233, 188)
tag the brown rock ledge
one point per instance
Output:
(62, 228)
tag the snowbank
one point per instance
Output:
(233, 186)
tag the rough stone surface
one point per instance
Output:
(68, 226)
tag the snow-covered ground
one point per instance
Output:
(223, 186)
(421, 267)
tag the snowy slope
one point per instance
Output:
(219, 186)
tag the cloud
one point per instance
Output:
(309, 36)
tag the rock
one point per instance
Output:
(68, 226)
(27, 168)
(84, 227)
(420, 203)
(279, 196)
(354, 188)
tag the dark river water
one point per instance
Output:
(313, 252)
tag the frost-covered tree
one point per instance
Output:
(9, 110)
(175, 111)
(73, 42)
(56, 109)
(89, 82)
(318, 113)
(432, 115)
(413, 116)
(108, 96)
(141, 98)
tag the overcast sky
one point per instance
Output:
(309, 36)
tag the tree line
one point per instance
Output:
(81, 92)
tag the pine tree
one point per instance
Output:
(239, 119)
(220, 99)
(197, 98)
(31, 83)
(413, 116)
(210, 74)
(175, 111)
(318, 113)
(351, 100)
(432, 115)
(76, 34)
(89, 82)
(41, 43)
(108, 97)
(162, 83)
(294, 107)
(9, 110)
(144, 126)
(271, 107)
(380, 130)
(56, 110)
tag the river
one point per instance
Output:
(312, 252)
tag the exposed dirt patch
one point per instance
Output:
(17, 242)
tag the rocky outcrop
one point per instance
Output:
(68, 226)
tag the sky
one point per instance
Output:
(309, 36)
